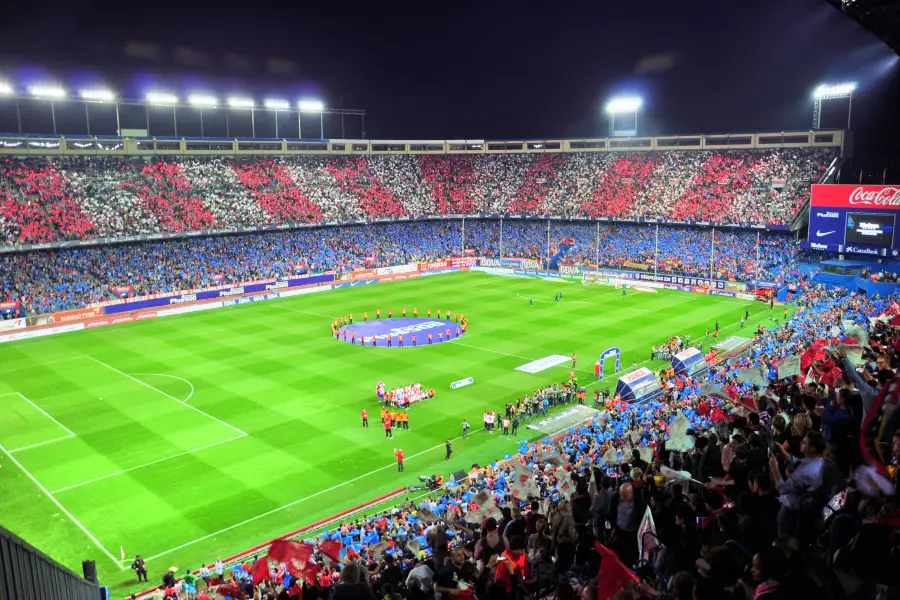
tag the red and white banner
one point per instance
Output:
(465, 261)
(434, 265)
(884, 197)
(76, 315)
(12, 324)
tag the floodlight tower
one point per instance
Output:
(623, 106)
(832, 92)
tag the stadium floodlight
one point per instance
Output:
(623, 105)
(276, 104)
(840, 90)
(161, 98)
(311, 106)
(97, 95)
(202, 100)
(238, 102)
(47, 91)
(834, 91)
(5, 89)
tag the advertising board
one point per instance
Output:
(856, 219)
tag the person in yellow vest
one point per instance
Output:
(429, 313)
(404, 312)
(377, 313)
(415, 312)
(365, 316)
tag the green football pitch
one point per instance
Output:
(200, 435)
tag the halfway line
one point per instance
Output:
(147, 385)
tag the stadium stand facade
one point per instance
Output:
(25, 572)
(605, 202)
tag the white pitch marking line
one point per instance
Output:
(30, 446)
(63, 508)
(147, 385)
(43, 364)
(295, 502)
(135, 468)
(46, 414)
(190, 385)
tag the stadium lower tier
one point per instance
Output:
(51, 281)
(75, 198)
(713, 487)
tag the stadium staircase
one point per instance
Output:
(801, 218)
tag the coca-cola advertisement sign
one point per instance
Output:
(856, 196)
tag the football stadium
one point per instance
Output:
(614, 366)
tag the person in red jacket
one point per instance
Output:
(365, 418)
(387, 427)
(398, 452)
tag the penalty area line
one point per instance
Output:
(63, 509)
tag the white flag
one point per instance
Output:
(610, 457)
(755, 375)
(649, 542)
(714, 390)
(678, 437)
(379, 548)
(646, 454)
(427, 516)
(523, 485)
(550, 457)
(789, 367)
(675, 475)
(564, 483)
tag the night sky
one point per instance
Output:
(478, 70)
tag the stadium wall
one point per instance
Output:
(236, 559)
(152, 237)
(162, 305)
(26, 572)
(85, 145)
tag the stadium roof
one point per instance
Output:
(878, 16)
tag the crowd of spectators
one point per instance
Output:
(880, 276)
(788, 490)
(70, 278)
(71, 198)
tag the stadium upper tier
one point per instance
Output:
(64, 198)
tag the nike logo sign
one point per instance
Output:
(823, 233)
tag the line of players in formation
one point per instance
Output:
(338, 332)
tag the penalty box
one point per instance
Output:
(55, 437)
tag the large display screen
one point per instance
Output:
(873, 229)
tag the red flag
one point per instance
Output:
(295, 555)
(331, 549)
(717, 415)
(613, 575)
(311, 572)
(259, 571)
(232, 590)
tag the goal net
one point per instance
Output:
(598, 279)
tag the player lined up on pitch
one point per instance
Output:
(341, 329)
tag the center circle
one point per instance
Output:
(398, 333)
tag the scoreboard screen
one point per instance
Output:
(873, 229)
